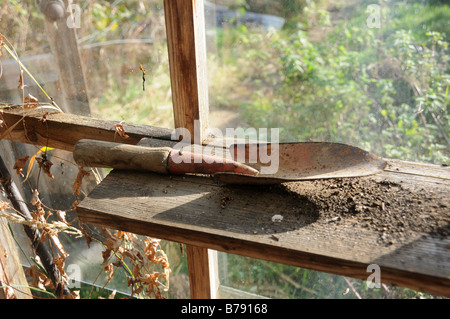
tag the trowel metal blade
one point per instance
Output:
(286, 162)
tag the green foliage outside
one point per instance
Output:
(384, 89)
(284, 282)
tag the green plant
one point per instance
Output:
(385, 90)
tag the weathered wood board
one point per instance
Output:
(13, 282)
(313, 233)
(47, 127)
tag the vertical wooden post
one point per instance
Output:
(12, 276)
(198, 270)
(185, 27)
(61, 34)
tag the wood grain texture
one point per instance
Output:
(237, 219)
(198, 270)
(11, 271)
(64, 46)
(185, 30)
(186, 43)
(63, 130)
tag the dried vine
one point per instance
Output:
(145, 263)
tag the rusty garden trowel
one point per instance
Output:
(250, 163)
(302, 161)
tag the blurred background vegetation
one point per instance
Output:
(328, 76)
(325, 75)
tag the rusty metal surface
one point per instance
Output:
(182, 162)
(303, 161)
(297, 161)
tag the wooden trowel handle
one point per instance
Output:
(92, 153)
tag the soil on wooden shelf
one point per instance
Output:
(390, 210)
(385, 207)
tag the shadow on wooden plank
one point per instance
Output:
(198, 201)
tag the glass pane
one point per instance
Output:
(115, 39)
(254, 279)
(89, 63)
(369, 74)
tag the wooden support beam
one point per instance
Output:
(185, 29)
(63, 130)
(12, 277)
(197, 258)
(62, 37)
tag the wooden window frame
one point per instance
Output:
(185, 29)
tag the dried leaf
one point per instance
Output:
(112, 244)
(35, 198)
(59, 263)
(36, 276)
(137, 291)
(43, 119)
(62, 216)
(31, 99)
(143, 76)
(38, 216)
(4, 205)
(131, 237)
(120, 130)
(79, 180)
(119, 234)
(112, 295)
(109, 269)
(30, 102)
(129, 281)
(107, 233)
(106, 254)
(135, 255)
(150, 249)
(30, 164)
(142, 69)
(136, 271)
(45, 164)
(73, 295)
(87, 236)
(21, 84)
(20, 163)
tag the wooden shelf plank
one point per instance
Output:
(238, 219)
